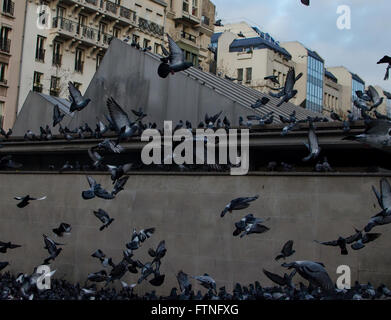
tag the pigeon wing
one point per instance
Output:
(274, 277)
(176, 54)
(118, 115)
(385, 191)
(75, 93)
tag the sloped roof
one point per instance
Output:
(215, 37)
(357, 78)
(315, 55)
(63, 104)
(331, 76)
(258, 43)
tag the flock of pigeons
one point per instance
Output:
(24, 286)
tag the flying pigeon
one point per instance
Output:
(287, 92)
(76, 99)
(286, 251)
(312, 146)
(4, 246)
(238, 204)
(24, 201)
(104, 218)
(57, 115)
(386, 59)
(64, 228)
(175, 62)
(51, 246)
(96, 190)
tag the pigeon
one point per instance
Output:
(5, 134)
(7, 162)
(287, 92)
(122, 124)
(381, 116)
(273, 79)
(29, 136)
(286, 251)
(335, 116)
(64, 228)
(118, 271)
(312, 146)
(340, 242)
(57, 115)
(119, 185)
(255, 227)
(76, 99)
(375, 97)
(104, 218)
(206, 281)
(3, 265)
(266, 119)
(281, 281)
(314, 272)
(109, 145)
(100, 276)
(238, 204)
(377, 220)
(305, 2)
(386, 59)
(245, 222)
(126, 39)
(218, 23)
(210, 121)
(260, 102)
(175, 61)
(139, 114)
(364, 239)
(98, 254)
(51, 246)
(96, 190)
(24, 201)
(118, 172)
(66, 166)
(183, 281)
(384, 196)
(4, 246)
(230, 78)
(377, 134)
(159, 253)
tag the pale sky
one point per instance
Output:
(358, 49)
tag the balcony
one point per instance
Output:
(5, 45)
(55, 92)
(57, 59)
(68, 29)
(40, 55)
(188, 36)
(37, 87)
(8, 7)
(188, 18)
(151, 27)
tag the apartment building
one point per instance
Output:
(332, 90)
(310, 87)
(65, 40)
(248, 55)
(12, 15)
(350, 83)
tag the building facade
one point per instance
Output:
(350, 83)
(332, 91)
(65, 40)
(12, 14)
(249, 55)
(310, 87)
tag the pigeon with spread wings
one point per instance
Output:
(175, 62)
(78, 103)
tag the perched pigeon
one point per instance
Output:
(206, 281)
(175, 62)
(24, 201)
(104, 218)
(183, 281)
(273, 79)
(76, 99)
(5, 134)
(314, 272)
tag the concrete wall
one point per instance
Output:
(185, 209)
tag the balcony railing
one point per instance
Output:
(188, 36)
(40, 55)
(57, 59)
(94, 2)
(55, 92)
(5, 45)
(150, 26)
(8, 7)
(37, 87)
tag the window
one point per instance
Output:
(8, 7)
(116, 32)
(156, 48)
(3, 72)
(99, 59)
(57, 57)
(5, 43)
(79, 60)
(135, 38)
(82, 23)
(1, 113)
(194, 10)
(186, 6)
(60, 11)
(37, 85)
(146, 43)
(240, 75)
(77, 85)
(54, 86)
(249, 75)
(39, 49)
